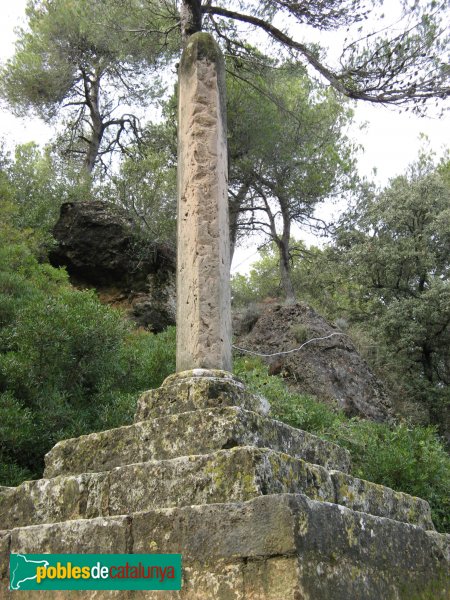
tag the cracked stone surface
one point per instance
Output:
(235, 474)
(194, 392)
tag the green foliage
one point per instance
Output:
(298, 410)
(395, 246)
(77, 61)
(65, 38)
(150, 358)
(405, 458)
(146, 183)
(68, 365)
(317, 277)
(300, 333)
(143, 361)
(33, 185)
(262, 282)
(289, 139)
(288, 152)
(386, 280)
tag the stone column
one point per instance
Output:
(203, 263)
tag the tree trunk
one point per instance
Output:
(282, 244)
(92, 89)
(191, 18)
(285, 271)
(427, 362)
(234, 206)
(283, 247)
(93, 148)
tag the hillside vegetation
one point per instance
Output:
(383, 280)
(68, 364)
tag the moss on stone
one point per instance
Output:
(201, 46)
(225, 472)
(438, 587)
(352, 536)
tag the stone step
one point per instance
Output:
(236, 474)
(276, 547)
(197, 432)
(197, 389)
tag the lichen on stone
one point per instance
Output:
(201, 46)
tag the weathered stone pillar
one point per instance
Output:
(203, 263)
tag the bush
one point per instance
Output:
(300, 333)
(407, 459)
(68, 364)
(299, 410)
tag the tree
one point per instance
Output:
(88, 57)
(76, 53)
(317, 277)
(288, 152)
(146, 183)
(402, 64)
(71, 63)
(33, 185)
(396, 246)
(381, 66)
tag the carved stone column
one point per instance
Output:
(203, 263)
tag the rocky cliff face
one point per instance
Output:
(330, 369)
(101, 248)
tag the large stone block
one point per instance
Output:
(371, 498)
(214, 532)
(60, 499)
(227, 475)
(96, 536)
(328, 551)
(197, 389)
(196, 432)
(82, 536)
(234, 474)
(282, 547)
(5, 540)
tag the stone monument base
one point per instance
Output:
(258, 510)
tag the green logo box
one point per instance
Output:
(95, 572)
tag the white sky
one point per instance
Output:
(390, 139)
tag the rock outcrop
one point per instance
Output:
(101, 247)
(330, 369)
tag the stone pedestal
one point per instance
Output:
(258, 509)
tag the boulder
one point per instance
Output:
(330, 369)
(101, 247)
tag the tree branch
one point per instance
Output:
(379, 93)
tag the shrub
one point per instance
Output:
(68, 364)
(407, 459)
(299, 410)
(300, 333)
